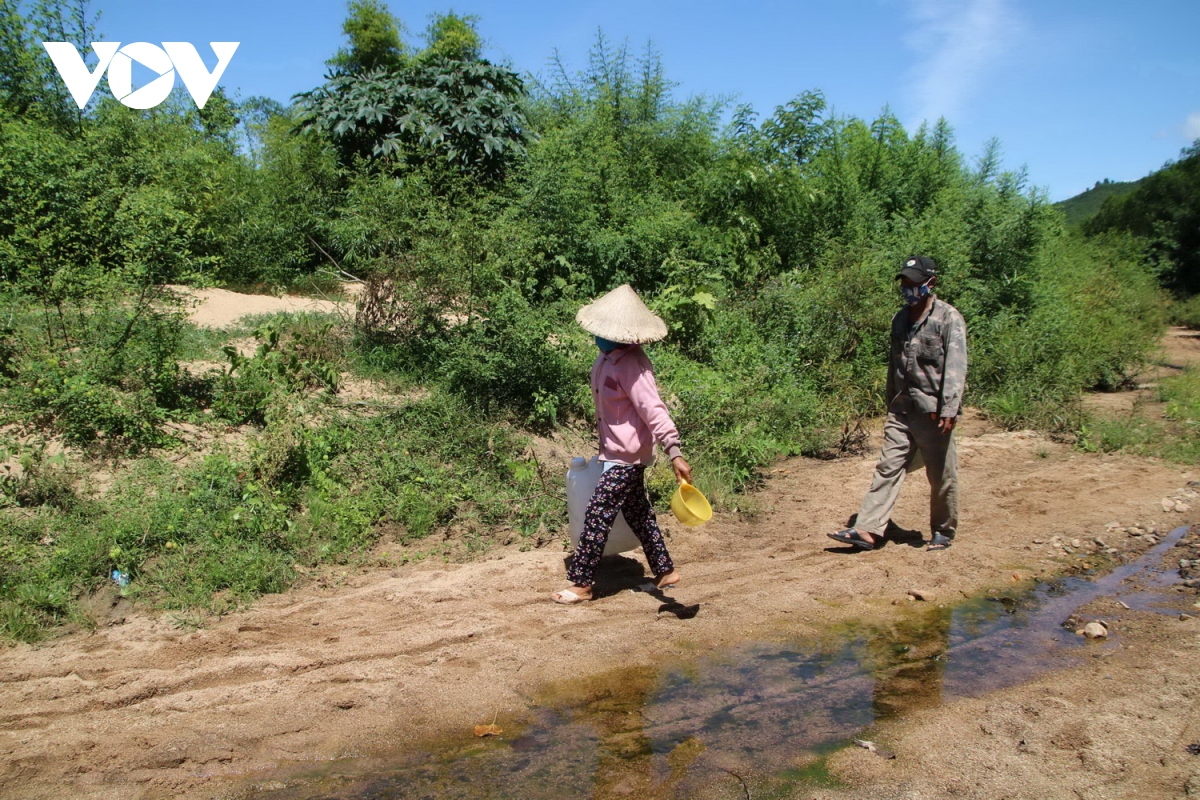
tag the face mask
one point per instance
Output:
(606, 346)
(915, 294)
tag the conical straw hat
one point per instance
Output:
(621, 316)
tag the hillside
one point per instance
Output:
(1084, 205)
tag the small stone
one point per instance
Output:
(1094, 630)
(920, 594)
(1039, 541)
(1149, 538)
(1076, 544)
(1099, 542)
(1068, 550)
(1079, 631)
(1185, 617)
(1184, 563)
(1181, 507)
(1112, 526)
(1112, 551)
(1168, 504)
(1192, 583)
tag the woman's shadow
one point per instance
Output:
(621, 573)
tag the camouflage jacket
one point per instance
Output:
(927, 369)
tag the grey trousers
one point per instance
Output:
(906, 438)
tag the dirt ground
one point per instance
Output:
(364, 663)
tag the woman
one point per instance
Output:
(631, 418)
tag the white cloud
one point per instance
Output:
(953, 46)
(1191, 127)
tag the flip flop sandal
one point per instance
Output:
(851, 537)
(939, 542)
(567, 598)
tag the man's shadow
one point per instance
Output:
(893, 534)
(620, 573)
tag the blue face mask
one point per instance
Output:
(606, 346)
(915, 294)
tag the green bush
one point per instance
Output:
(1183, 312)
(515, 358)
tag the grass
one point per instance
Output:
(1176, 438)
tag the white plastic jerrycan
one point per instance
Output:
(582, 478)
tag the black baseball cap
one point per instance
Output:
(918, 269)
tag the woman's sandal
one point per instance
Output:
(851, 537)
(939, 542)
(568, 598)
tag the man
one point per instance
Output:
(926, 373)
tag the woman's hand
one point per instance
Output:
(683, 472)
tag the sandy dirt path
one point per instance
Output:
(220, 308)
(363, 664)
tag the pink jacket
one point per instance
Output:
(631, 414)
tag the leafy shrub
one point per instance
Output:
(515, 357)
(293, 354)
(465, 112)
(1184, 312)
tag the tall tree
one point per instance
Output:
(453, 37)
(375, 40)
(29, 84)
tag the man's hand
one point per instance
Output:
(683, 472)
(945, 424)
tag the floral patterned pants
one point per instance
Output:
(621, 488)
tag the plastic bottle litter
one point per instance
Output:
(120, 578)
(582, 478)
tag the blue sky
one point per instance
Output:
(1075, 91)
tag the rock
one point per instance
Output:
(1184, 563)
(1112, 551)
(1150, 538)
(1076, 544)
(1099, 542)
(1068, 550)
(920, 594)
(1094, 630)
(1112, 526)
(1039, 541)
(1185, 617)
(1181, 507)
(1168, 504)
(1192, 583)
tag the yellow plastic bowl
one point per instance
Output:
(690, 506)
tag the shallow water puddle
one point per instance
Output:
(754, 720)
